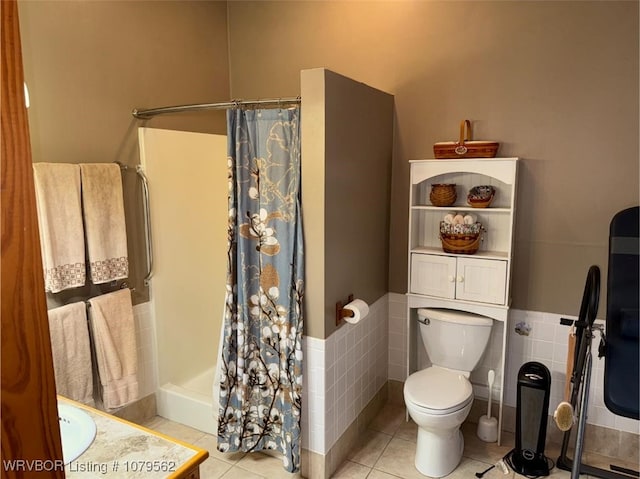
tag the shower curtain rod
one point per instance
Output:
(146, 114)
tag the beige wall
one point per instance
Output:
(358, 151)
(346, 161)
(555, 82)
(89, 63)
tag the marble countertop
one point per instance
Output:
(122, 449)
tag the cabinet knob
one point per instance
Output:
(451, 279)
(460, 279)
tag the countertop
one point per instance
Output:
(122, 449)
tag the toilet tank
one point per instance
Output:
(454, 339)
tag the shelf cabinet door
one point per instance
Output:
(481, 280)
(433, 275)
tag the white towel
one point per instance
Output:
(104, 222)
(469, 219)
(114, 335)
(57, 188)
(448, 218)
(71, 352)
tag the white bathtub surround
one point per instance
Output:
(191, 403)
(342, 374)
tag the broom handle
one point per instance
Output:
(569, 372)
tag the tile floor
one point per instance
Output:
(386, 452)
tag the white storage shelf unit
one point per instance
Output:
(497, 220)
(477, 283)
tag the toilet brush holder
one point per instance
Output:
(488, 429)
(487, 425)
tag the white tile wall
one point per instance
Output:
(147, 354)
(397, 336)
(546, 343)
(341, 375)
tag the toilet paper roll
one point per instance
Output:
(458, 219)
(360, 311)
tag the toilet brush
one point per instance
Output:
(487, 425)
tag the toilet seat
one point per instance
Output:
(437, 391)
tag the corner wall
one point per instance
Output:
(346, 159)
(347, 133)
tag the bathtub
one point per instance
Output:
(191, 403)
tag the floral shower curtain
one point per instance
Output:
(261, 381)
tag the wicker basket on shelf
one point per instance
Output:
(465, 147)
(481, 196)
(443, 194)
(460, 238)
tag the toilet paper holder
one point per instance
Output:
(342, 313)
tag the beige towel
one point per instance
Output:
(71, 352)
(114, 335)
(60, 220)
(104, 222)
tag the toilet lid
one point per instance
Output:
(438, 389)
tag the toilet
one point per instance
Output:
(439, 397)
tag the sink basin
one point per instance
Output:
(77, 431)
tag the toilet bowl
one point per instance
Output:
(439, 397)
(438, 401)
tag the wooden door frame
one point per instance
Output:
(30, 428)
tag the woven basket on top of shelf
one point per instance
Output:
(461, 239)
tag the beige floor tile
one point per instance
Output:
(265, 465)
(210, 442)
(603, 462)
(389, 419)
(469, 467)
(559, 474)
(238, 473)
(174, 429)
(213, 468)
(351, 470)
(408, 430)
(374, 474)
(398, 459)
(370, 447)
(476, 448)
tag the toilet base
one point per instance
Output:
(438, 453)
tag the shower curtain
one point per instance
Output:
(261, 369)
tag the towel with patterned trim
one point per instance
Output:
(104, 221)
(59, 208)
